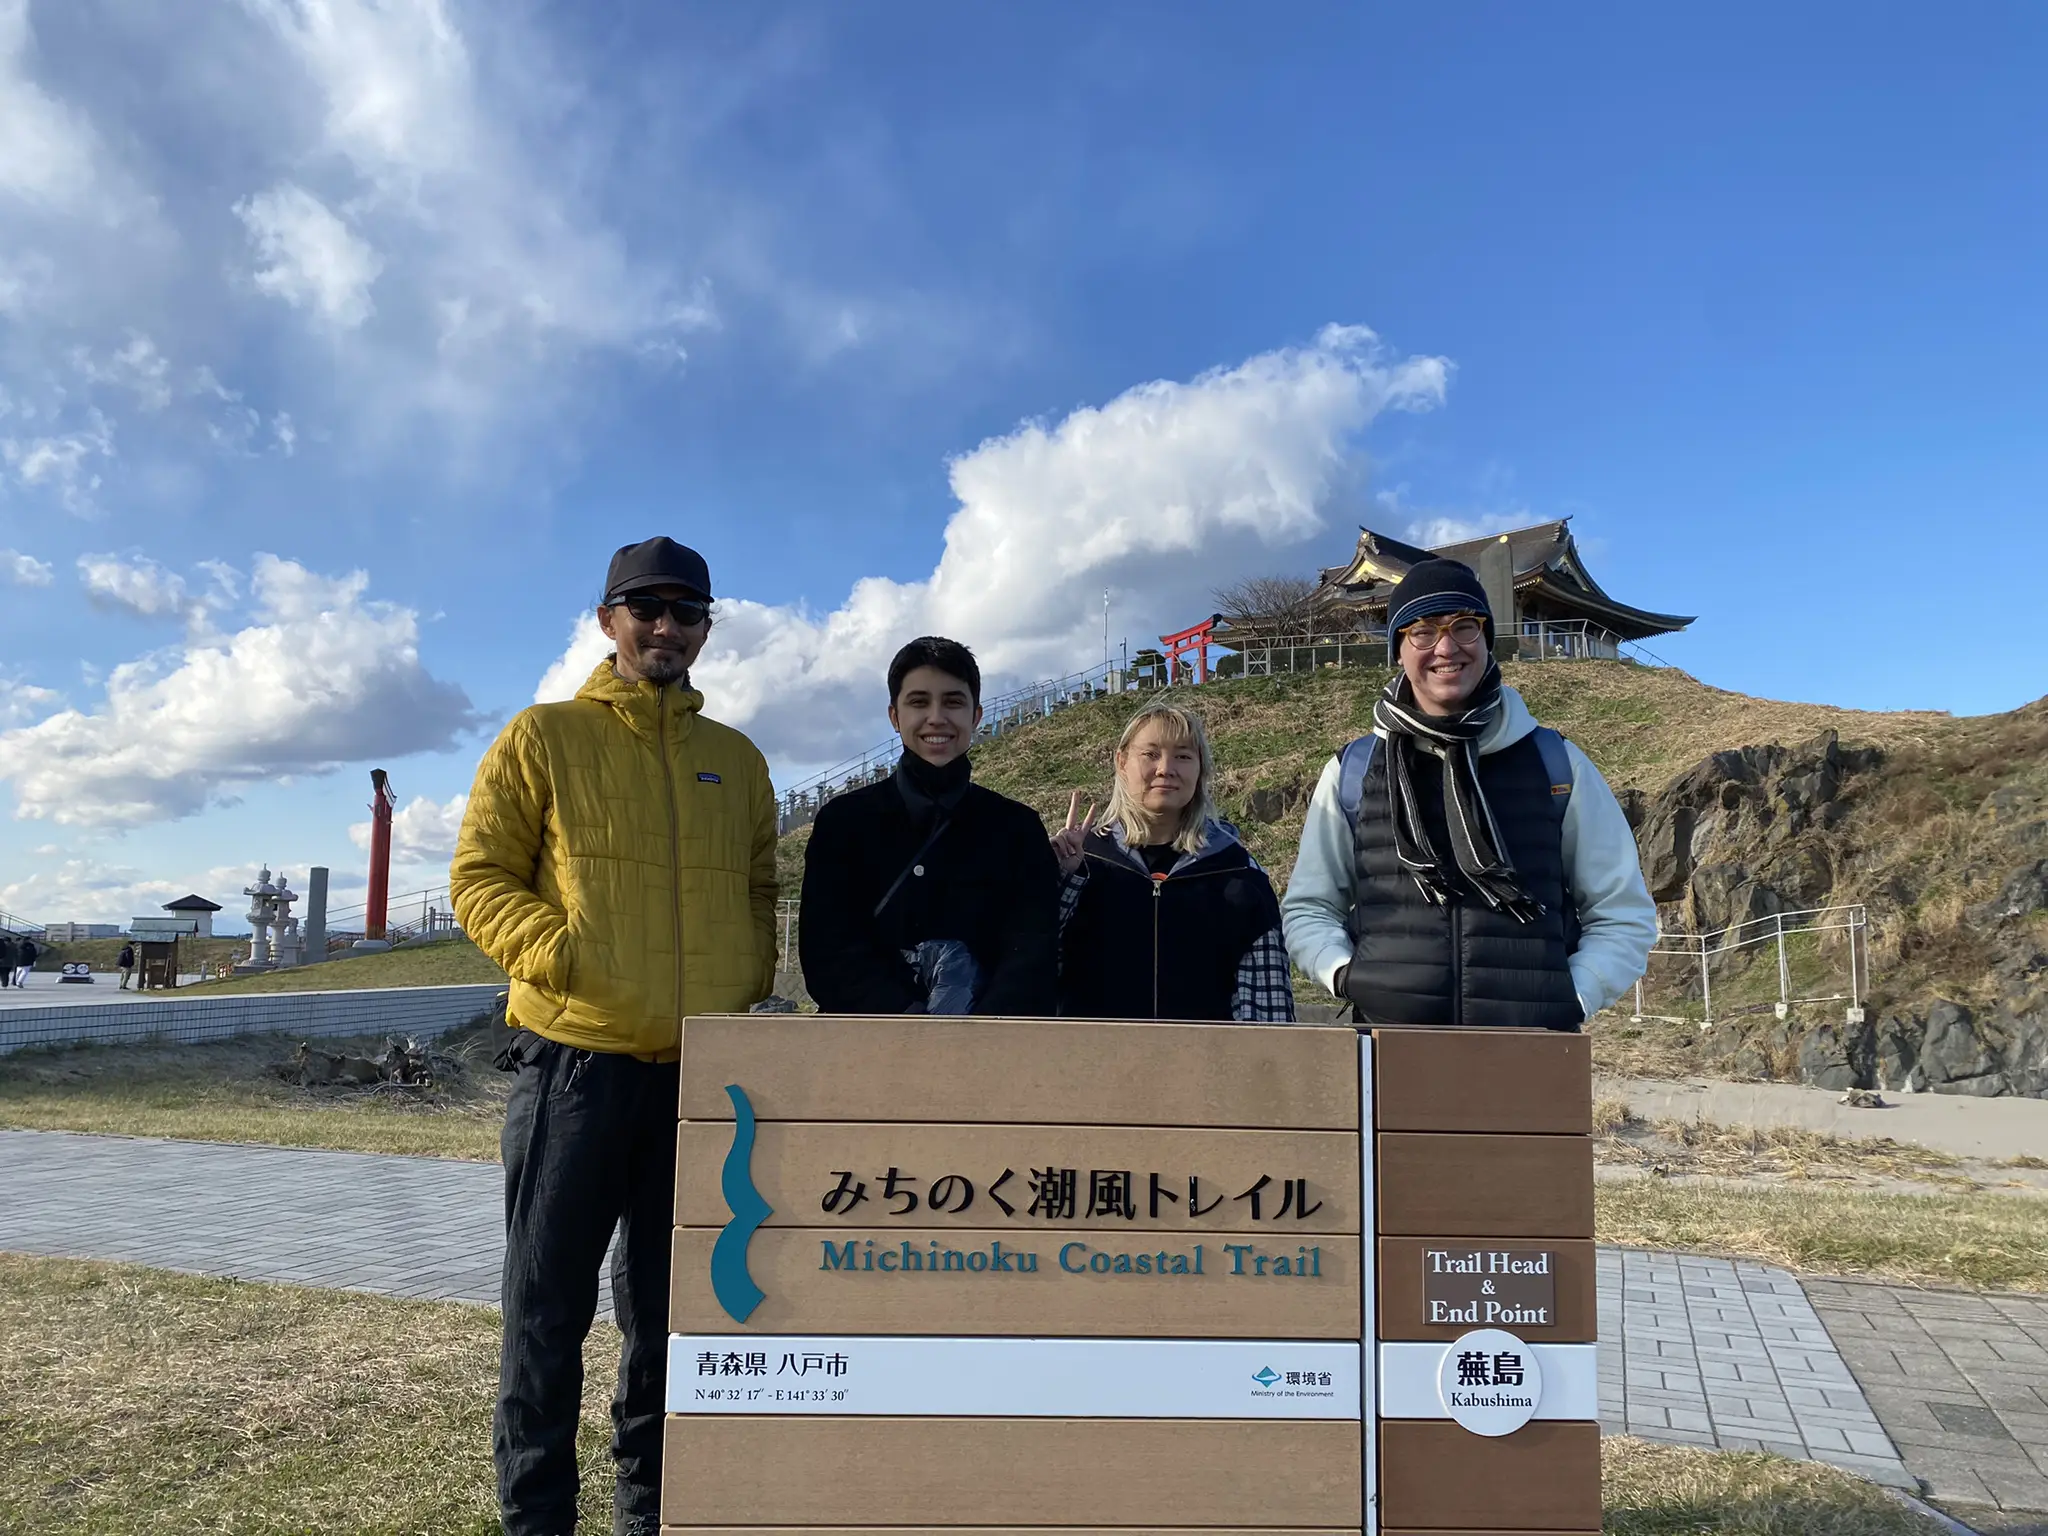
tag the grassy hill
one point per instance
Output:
(1272, 735)
(446, 963)
(103, 954)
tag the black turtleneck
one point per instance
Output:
(927, 788)
(990, 881)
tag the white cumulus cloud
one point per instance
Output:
(462, 190)
(136, 584)
(63, 463)
(22, 702)
(1151, 495)
(311, 259)
(46, 148)
(319, 676)
(422, 831)
(19, 570)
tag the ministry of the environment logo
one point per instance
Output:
(730, 1282)
(1266, 1376)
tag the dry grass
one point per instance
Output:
(1769, 1152)
(139, 1403)
(1672, 1490)
(1985, 1241)
(134, 1402)
(1655, 1047)
(1640, 724)
(222, 1091)
(1611, 1114)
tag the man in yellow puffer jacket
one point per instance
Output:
(618, 860)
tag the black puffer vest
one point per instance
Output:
(1138, 947)
(1463, 963)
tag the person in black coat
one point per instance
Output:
(1164, 914)
(926, 892)
(9, 959)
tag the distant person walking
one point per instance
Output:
(618, 860)
(1163, 913)
(126, 964)
(1462, 864)
(926, 893)
(10, 957)
(26, 954)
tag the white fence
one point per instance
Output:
(176, 1019)
(1691, 960)
(1534, 640)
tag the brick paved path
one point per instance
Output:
(1697, 1350)
(1959, 1381)
(1716, 1352)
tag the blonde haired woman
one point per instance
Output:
(1163, 914)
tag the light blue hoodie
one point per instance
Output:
(1617, 919)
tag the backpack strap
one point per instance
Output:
(1352, 764)
(1557, 767)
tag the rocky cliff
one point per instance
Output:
(1945, 841)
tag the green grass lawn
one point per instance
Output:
(135, 1402)
(444, 963)
(105, 954)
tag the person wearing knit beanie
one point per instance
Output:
(1463, 864)
(1434, 587)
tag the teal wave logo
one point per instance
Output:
(730, 1282)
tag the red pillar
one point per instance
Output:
(381, 802)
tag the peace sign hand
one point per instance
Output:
(1067, 842)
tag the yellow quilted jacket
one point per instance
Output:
(618, 860)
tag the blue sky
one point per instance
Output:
(340, 343)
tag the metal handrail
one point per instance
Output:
(20, 925)
(1533, 640)
(436, 916)
(1851, 919)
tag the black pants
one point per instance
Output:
(590, 1145)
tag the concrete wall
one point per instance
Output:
(371, 1011)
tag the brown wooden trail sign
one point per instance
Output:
(1043, 1275)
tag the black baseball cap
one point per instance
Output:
(657, 562)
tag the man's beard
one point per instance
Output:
(662, 667)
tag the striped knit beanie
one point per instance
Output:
(1433, 587)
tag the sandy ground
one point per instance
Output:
(1986, 1129)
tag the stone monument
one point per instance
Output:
(270, 910)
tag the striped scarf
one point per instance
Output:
(1482, 863)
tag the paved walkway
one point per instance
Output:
(46, 989)
(1960, 1382)
(1701, 1351)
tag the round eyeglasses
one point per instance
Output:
(1464, 630)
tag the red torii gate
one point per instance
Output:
(1176, 647)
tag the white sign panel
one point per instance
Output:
(1410, 1372)
(1014, 1378)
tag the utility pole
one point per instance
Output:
(1105, 631)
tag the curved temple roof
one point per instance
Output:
(1546, 565)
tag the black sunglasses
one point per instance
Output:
(686, 611)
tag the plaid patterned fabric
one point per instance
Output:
(1265, 983)
(1071, 887)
